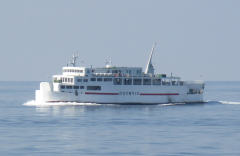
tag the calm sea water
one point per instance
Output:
(28, 128)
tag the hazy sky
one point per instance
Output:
(38, 38)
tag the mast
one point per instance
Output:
(149, 68)
(73, 63)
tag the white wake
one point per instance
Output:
(37, 103)
(169, 104)
(223, 102)
(232, 103)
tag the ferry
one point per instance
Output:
(118, 85)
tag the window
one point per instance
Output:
(72, 80)
(166, 82)
(114, 71)
(117, 81)
(75, 87)
(99, 79)
(93, 87)
(79, 80)
(127, 81)
(137, 81)
(68, 79)
(65, 80)
(81, 71)
(62, 87)
(138, 72)
(128, 72)
(85, 80)
(156, 81)
(93, 79)
(69, 87)
(81, 87)
(175, 82)
(107, 79)
(146, 81)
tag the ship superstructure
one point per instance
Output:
(118, 85)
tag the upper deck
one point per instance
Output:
(108, 71)
(74, 74)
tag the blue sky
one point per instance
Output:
(38, 38)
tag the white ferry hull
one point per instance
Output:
(143, 96)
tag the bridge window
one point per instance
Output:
(137, 81)
(75, 87)
(69, 87)
(156, 81)
(127, 81)
(79, 80)
(62, 87)
(107, 79)
(146, 81)
(117, 81)
(81, 87)
(85, 80)
(93, 87)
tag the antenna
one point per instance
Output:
(73, 63)
(77, 54)
(82, 63)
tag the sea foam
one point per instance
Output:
(227, 102)
(37, 103)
